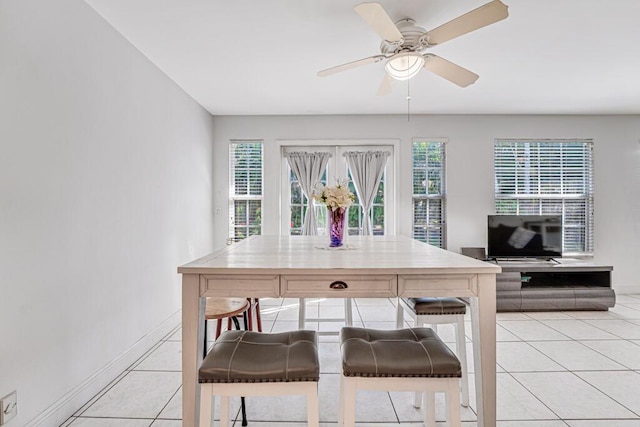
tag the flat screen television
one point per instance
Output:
(524, 236)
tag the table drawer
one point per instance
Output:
(244, 285)
(337, 286)
(454, 285)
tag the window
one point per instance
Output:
(548, 177)
(429, 222)
(245, 189)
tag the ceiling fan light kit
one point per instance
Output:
(404, 65)
(403, 44)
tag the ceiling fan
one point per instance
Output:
(403, 44)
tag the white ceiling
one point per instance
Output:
(246, 57)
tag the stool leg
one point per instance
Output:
(246, 323)
(242, 404)
(224, 411)
(417, 399)
(204, 347)
(399, 314)
(218, 328)
(254, 305)
(258, 319)
(461, 351)
(313, 416)
(249, 315)
(235, 322)
(205, 405)
(243, 409)
(302, 313)
(341, 403)
(349, 402)
(453, 403)
(430, 409)
(348, 314)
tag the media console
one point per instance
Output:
(565, 284)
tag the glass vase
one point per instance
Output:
(337, 222)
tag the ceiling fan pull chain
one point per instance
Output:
(408, 101)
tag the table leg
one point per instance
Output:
(193, 308)
(483, 319)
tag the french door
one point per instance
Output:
(294, 202)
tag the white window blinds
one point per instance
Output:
(429, 218)
(245, 189)
(548, 177)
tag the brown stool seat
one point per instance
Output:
(219, 308)
(436, 305)
(245, 356)
(413, 352)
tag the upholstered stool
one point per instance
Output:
(434, 311)
(245, 363)
(398, 360)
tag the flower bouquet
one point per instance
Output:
(337, 199)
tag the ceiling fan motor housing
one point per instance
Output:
(412, 38)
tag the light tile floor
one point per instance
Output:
(555, 369)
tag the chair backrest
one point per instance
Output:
(477, 253)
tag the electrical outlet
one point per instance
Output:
(8, 407)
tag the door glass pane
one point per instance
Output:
(376, 214)
(298, 207)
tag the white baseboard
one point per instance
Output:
(66, 406)
(626, 289)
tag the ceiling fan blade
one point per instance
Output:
(350, 65)
(449, 71)
(379, 21)
(386, 85)
(489, 13)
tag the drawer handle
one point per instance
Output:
(338, 284)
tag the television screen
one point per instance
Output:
(535, 236)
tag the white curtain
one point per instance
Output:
(366, 169)
(308, 169)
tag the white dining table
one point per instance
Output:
(366, 267)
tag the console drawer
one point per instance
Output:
(337, 286)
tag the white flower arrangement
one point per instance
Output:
(338, 196)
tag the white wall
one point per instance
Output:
(105, 188)
(469, 170)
